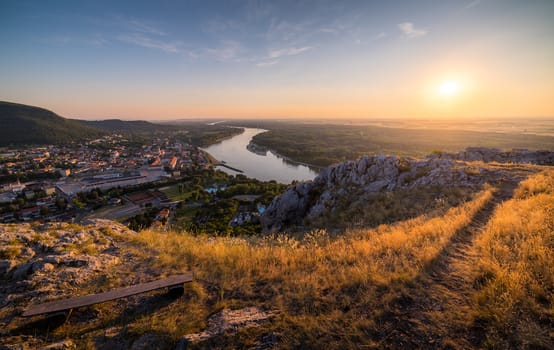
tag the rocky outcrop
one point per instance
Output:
(338, 185)
(228, 321)
(39, 263)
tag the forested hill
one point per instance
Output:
(130, 127)
(23, 124)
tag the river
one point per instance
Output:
(266, 167)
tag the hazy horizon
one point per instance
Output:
(287, 59)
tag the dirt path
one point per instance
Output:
(436, 313)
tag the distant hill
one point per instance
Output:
(127, 127)
(23, 124)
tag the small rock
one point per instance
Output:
(63, 345)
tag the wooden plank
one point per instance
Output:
(91, 299)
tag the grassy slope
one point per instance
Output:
(515, 298)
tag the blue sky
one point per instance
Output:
(173, 59)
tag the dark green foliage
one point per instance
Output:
(22, 124)
(202, 134)
(143, 220)
(210, 213)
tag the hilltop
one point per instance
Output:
(23, 124)
(474, 271)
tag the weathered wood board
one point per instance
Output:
(85, 300)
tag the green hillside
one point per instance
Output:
(23, 124)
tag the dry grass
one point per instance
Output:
(329, 291)
(515, 300)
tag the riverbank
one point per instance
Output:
(215, 162)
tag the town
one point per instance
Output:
(159, 182)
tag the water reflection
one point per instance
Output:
(257, 163)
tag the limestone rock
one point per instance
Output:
(63, 345)
(340, 185)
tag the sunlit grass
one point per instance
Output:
(515, 275)
(321, 285)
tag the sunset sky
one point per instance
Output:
(317, 59)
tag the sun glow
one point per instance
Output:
(449, 88)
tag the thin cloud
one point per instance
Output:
(329, 30)
(144, 41)
(228, 51)
(473, 4)
(273, 56)
(96, 40)
(380, 36)
(267, 63)
(139, 26)
(288, 51)
(410, 31)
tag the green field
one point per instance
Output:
(174, 194)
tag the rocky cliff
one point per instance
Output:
(342, 186)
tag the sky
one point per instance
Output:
(168, 59)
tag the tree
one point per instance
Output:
(78, 203)
(61, 204)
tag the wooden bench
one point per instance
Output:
(173, 282)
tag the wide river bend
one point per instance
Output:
(234, 153)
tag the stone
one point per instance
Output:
(230, 321)
(62, 345)
(42, 266)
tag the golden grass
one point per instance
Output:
(516, 269)
(329, 291)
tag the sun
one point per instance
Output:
(449, 88)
